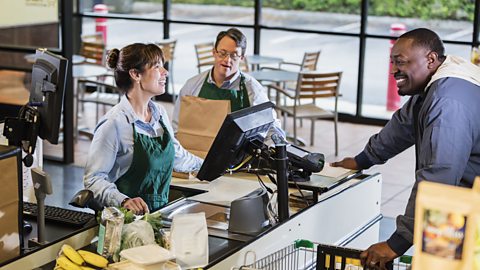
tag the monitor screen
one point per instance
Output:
(47, 92)
(230, 144)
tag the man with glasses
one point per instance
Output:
(225, 81)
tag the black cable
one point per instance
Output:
(270, 176)
(301, 193)
(255, 171)
(269, 190)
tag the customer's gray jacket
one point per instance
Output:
(447, 144)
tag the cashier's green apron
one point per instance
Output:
(150, 173)
(238, 99)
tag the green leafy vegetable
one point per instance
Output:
(129, 216)
(155, 220)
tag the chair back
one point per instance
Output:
(310, 60)
(104, 94)
(93, 52)
(168, 48)
(95, 38)
(314, 85)
(205, 57)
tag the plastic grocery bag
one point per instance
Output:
(189, 240)
(137, 233)
(110, 232)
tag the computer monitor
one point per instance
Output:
(243, 133)
(230, 144)
(47, 92)
(41, 116)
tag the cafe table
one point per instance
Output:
(256, 60)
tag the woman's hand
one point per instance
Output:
(136, 205)
(347, 163)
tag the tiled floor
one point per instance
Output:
(398, 173)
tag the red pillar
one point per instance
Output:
(101, 23)
(393, 99)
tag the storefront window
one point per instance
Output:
(336, 16)
(451, 20)
(138, 31)
(215, 11)
(337, 53)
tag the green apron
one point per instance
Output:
(150, 173)
(238, 99)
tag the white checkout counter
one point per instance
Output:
(347, 215)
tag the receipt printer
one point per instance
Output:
(248, 214)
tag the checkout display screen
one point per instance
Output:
(297, 151)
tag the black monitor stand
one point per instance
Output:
(23, 131)
(281, 161)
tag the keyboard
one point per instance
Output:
(57, 214)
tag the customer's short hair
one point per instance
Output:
(138, 56)
(236, 35)
(427, 39)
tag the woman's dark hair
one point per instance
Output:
(236, 35)
(136, 56)
(426, 38)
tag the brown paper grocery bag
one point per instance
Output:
(199, 121)
(446, 224)
(9, 205)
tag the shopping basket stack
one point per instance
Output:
(301, 255)
(307, 255)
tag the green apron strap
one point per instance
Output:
(238, 98)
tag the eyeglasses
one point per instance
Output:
(222, 54)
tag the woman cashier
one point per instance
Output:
(133, 152)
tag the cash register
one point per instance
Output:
(240, 144)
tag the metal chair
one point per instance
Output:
(206, 60)
(105, 94)
(93, 52)
(168, 48)
(97, 37)
(311, 85)
(309, 62)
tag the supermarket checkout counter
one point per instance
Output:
(346, 212)
(345, 215)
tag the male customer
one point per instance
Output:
(440, 119)
(225, 81)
